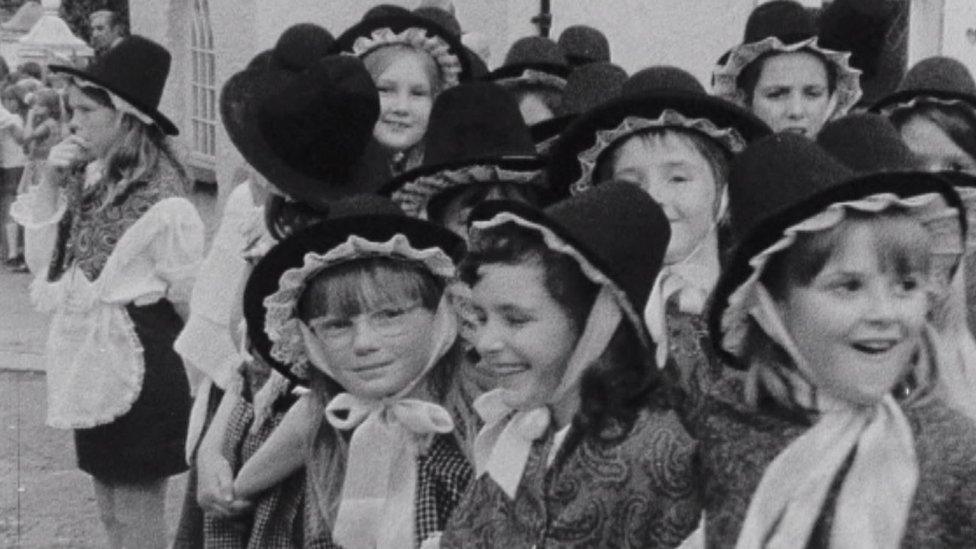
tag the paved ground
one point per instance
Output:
(45, 501)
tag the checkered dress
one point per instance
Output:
(443, 476)
(278, 517)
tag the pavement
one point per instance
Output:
(45, 501)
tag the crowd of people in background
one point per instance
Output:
(548, 304)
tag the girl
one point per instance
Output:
(12, 162)
(298, 195)
(114, 256)
(535, 73)
(783, 76)
(411, 60)
(934, 108)
(357, 305)
(578, 448)
(42, 130)
(674, 142)
(825, 305)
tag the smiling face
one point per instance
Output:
(676, 174)
(792, 93)
(524, 336)
(935, 148)
(858, 322)
(373, 326)
(405, 80)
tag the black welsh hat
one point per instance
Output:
(414, 30)
(304, 120)
(617, 234)
(780, 181)
(586, 87)
(582, 44)
(940, 78)
(369, 217)
(135, 70)
(476, 135)
(673, 100)
(532, 60)
(784, 26)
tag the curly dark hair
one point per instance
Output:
(616, 387)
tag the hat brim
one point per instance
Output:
(767, 232)
(580, 135)
(488, 210)
(164, 123)
(240, 100)
(416, 198)
(549, 129)
(320, 238)
(515, 71)
(906, 96)
(399, 23)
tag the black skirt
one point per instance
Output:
(147, 443)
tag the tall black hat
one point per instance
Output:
(778, 182)
(410, 29)
(938, 78)
(135, 70)
(617, 233)
(784, 26)
(582, 44)
(305, 120)
(370, 218)
(673, 100)
(475, 135)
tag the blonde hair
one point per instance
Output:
(138, 149)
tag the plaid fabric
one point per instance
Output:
(277, 520)
(443, 475)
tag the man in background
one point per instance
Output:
(107, 30)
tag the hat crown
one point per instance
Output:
(300, 45)
(473, 121)
(582, 44)
(591, 84)
(135, 69)
(321, 122)
(867, 143)
(622, 229)
(663, 79)
(939, 73)
(785, 19)
(534, 50)
(775, 173)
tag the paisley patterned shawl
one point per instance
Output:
(90, 229)
(638, 492)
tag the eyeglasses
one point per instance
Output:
(387, 322)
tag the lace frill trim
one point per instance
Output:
(930, 209)
(848, 78)
(728, 138)
(281, 324)
(590, 271)
(436, 47)
(414, 195)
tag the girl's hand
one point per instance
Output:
(72, 150)
(215, 487)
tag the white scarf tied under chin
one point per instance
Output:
(876, 495)
(377, 506)
(502, 447)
